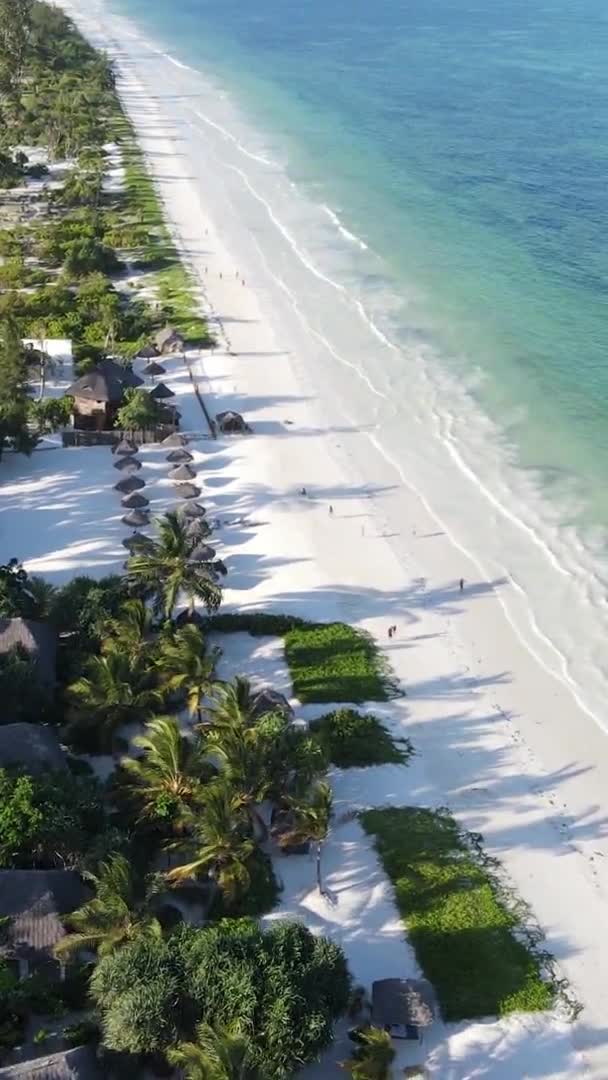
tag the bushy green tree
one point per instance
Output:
(284, 986)
(13, 390)
(140, 412)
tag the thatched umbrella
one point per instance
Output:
(153, 368)
(175, 440)
(182, 472)
(197, 529)
(128, 463)
(178, 457)
(137, 542)
(129, 484)
(147, 352)
(192, 510)
(187, 491)
(161, 392)
(202, 553)
(125, 446)
(134, 501)
(136, 518)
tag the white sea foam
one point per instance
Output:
(346, 233)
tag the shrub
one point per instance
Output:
(81, 1033)
(335, 662)
(468, 937)
(140, 411)
(352, 739)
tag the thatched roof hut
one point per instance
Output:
(161, 392)
(176, 439)
(169, 340)
(77, 1064)
(198, 529)
(33, 747)
(35, 900)
(105, 383)
(179, 457)
(129, 484)
(37, 639)
(134, 501)
(231, 423)
(182, 472)
(137, 542)
(187, 616)
(267, 701)
(398, 1004)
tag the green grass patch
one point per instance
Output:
(328, 662)
(335, 662)
(354, 740)
(469, 937)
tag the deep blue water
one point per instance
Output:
(466, 141)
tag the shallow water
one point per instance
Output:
(425, 188)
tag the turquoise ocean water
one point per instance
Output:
(425, 183)
(466, 142)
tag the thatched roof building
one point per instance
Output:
(100, 393)
(399, 1004)
(37, 639)
(154, 368)
(147, 352)
(161, 392)
(179, 456)
(77, 1064)
(33, 747)
(176, 439)
(169, 340)
(182, 472)
(35, 901)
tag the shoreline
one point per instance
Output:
(473, 755)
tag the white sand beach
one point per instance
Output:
(499, 739)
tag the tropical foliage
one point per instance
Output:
(168, 570)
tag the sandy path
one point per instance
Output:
(502, 742)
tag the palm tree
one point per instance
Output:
(373, 1057)
(130, 632)
(185, 668)
(167, 778)
(224, 849)
(115, 690)
(242, 755)
(118, 912)
(234, 704)
(218, 1054)
(167, 570)
(311, 822)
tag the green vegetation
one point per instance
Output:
(468, 936)
(139, 411)
(283, 986)
(328, 662)
(335, 662)
(354, 740)
(373, 1057)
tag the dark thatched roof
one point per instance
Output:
(267, 701)
(176, 439)
(135, 501)
(161, 391)
(124, 447)
(231, 421)
(136, 518)
(169, 340)
(191, 510)
(129, 484)
(179, 456)
(202, 553)
(34, 900)
(128, 463)
(197, 529)
(147, 352)
(106, 382)
(37, 639)
(401, 1002)
(76, 1064)
(137, 542)
(31, 746)
(182, 472)
(154, 368)
(187, 491)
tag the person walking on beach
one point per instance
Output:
(331, 510)
(303, 491)
(461, 583)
